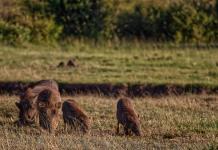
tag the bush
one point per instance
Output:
(190, 21)
(89, 18)
(28, 21)
(13, 34)
(131, 24)
(182, 22)
(41, 21)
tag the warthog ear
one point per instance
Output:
(17, 104)
(58, 105)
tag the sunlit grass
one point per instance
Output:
(168, 122)
(110, 64)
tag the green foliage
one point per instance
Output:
(180, 21)
(131, 24)
(89, 18)
(12, 34)
(41, 21)
(190, 21)
(185, 21)
(27, 21)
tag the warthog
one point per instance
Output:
(127, 116)
(74, 116)
(27, 104)
(49, 107)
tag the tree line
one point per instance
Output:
(180, 21)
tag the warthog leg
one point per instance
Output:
(117, 132)
(126, 130)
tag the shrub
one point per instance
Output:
(13, 34)
(182, 22)
(27, 20)
(131, 24)
(41, 21)
(89, 18)
(11, 31)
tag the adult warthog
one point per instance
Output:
(28, 104)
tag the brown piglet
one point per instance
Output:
(127, 116)
(74, 116)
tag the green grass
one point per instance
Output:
(110, 64)
(187, 122)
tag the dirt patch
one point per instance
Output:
(71, 63)
(61, 64)
(132, 90)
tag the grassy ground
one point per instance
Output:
(113, 64)
(187, 122)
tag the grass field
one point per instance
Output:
(186, 122)
(110, 64)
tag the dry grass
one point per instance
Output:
(187, 122)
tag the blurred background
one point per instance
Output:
(179, 21)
